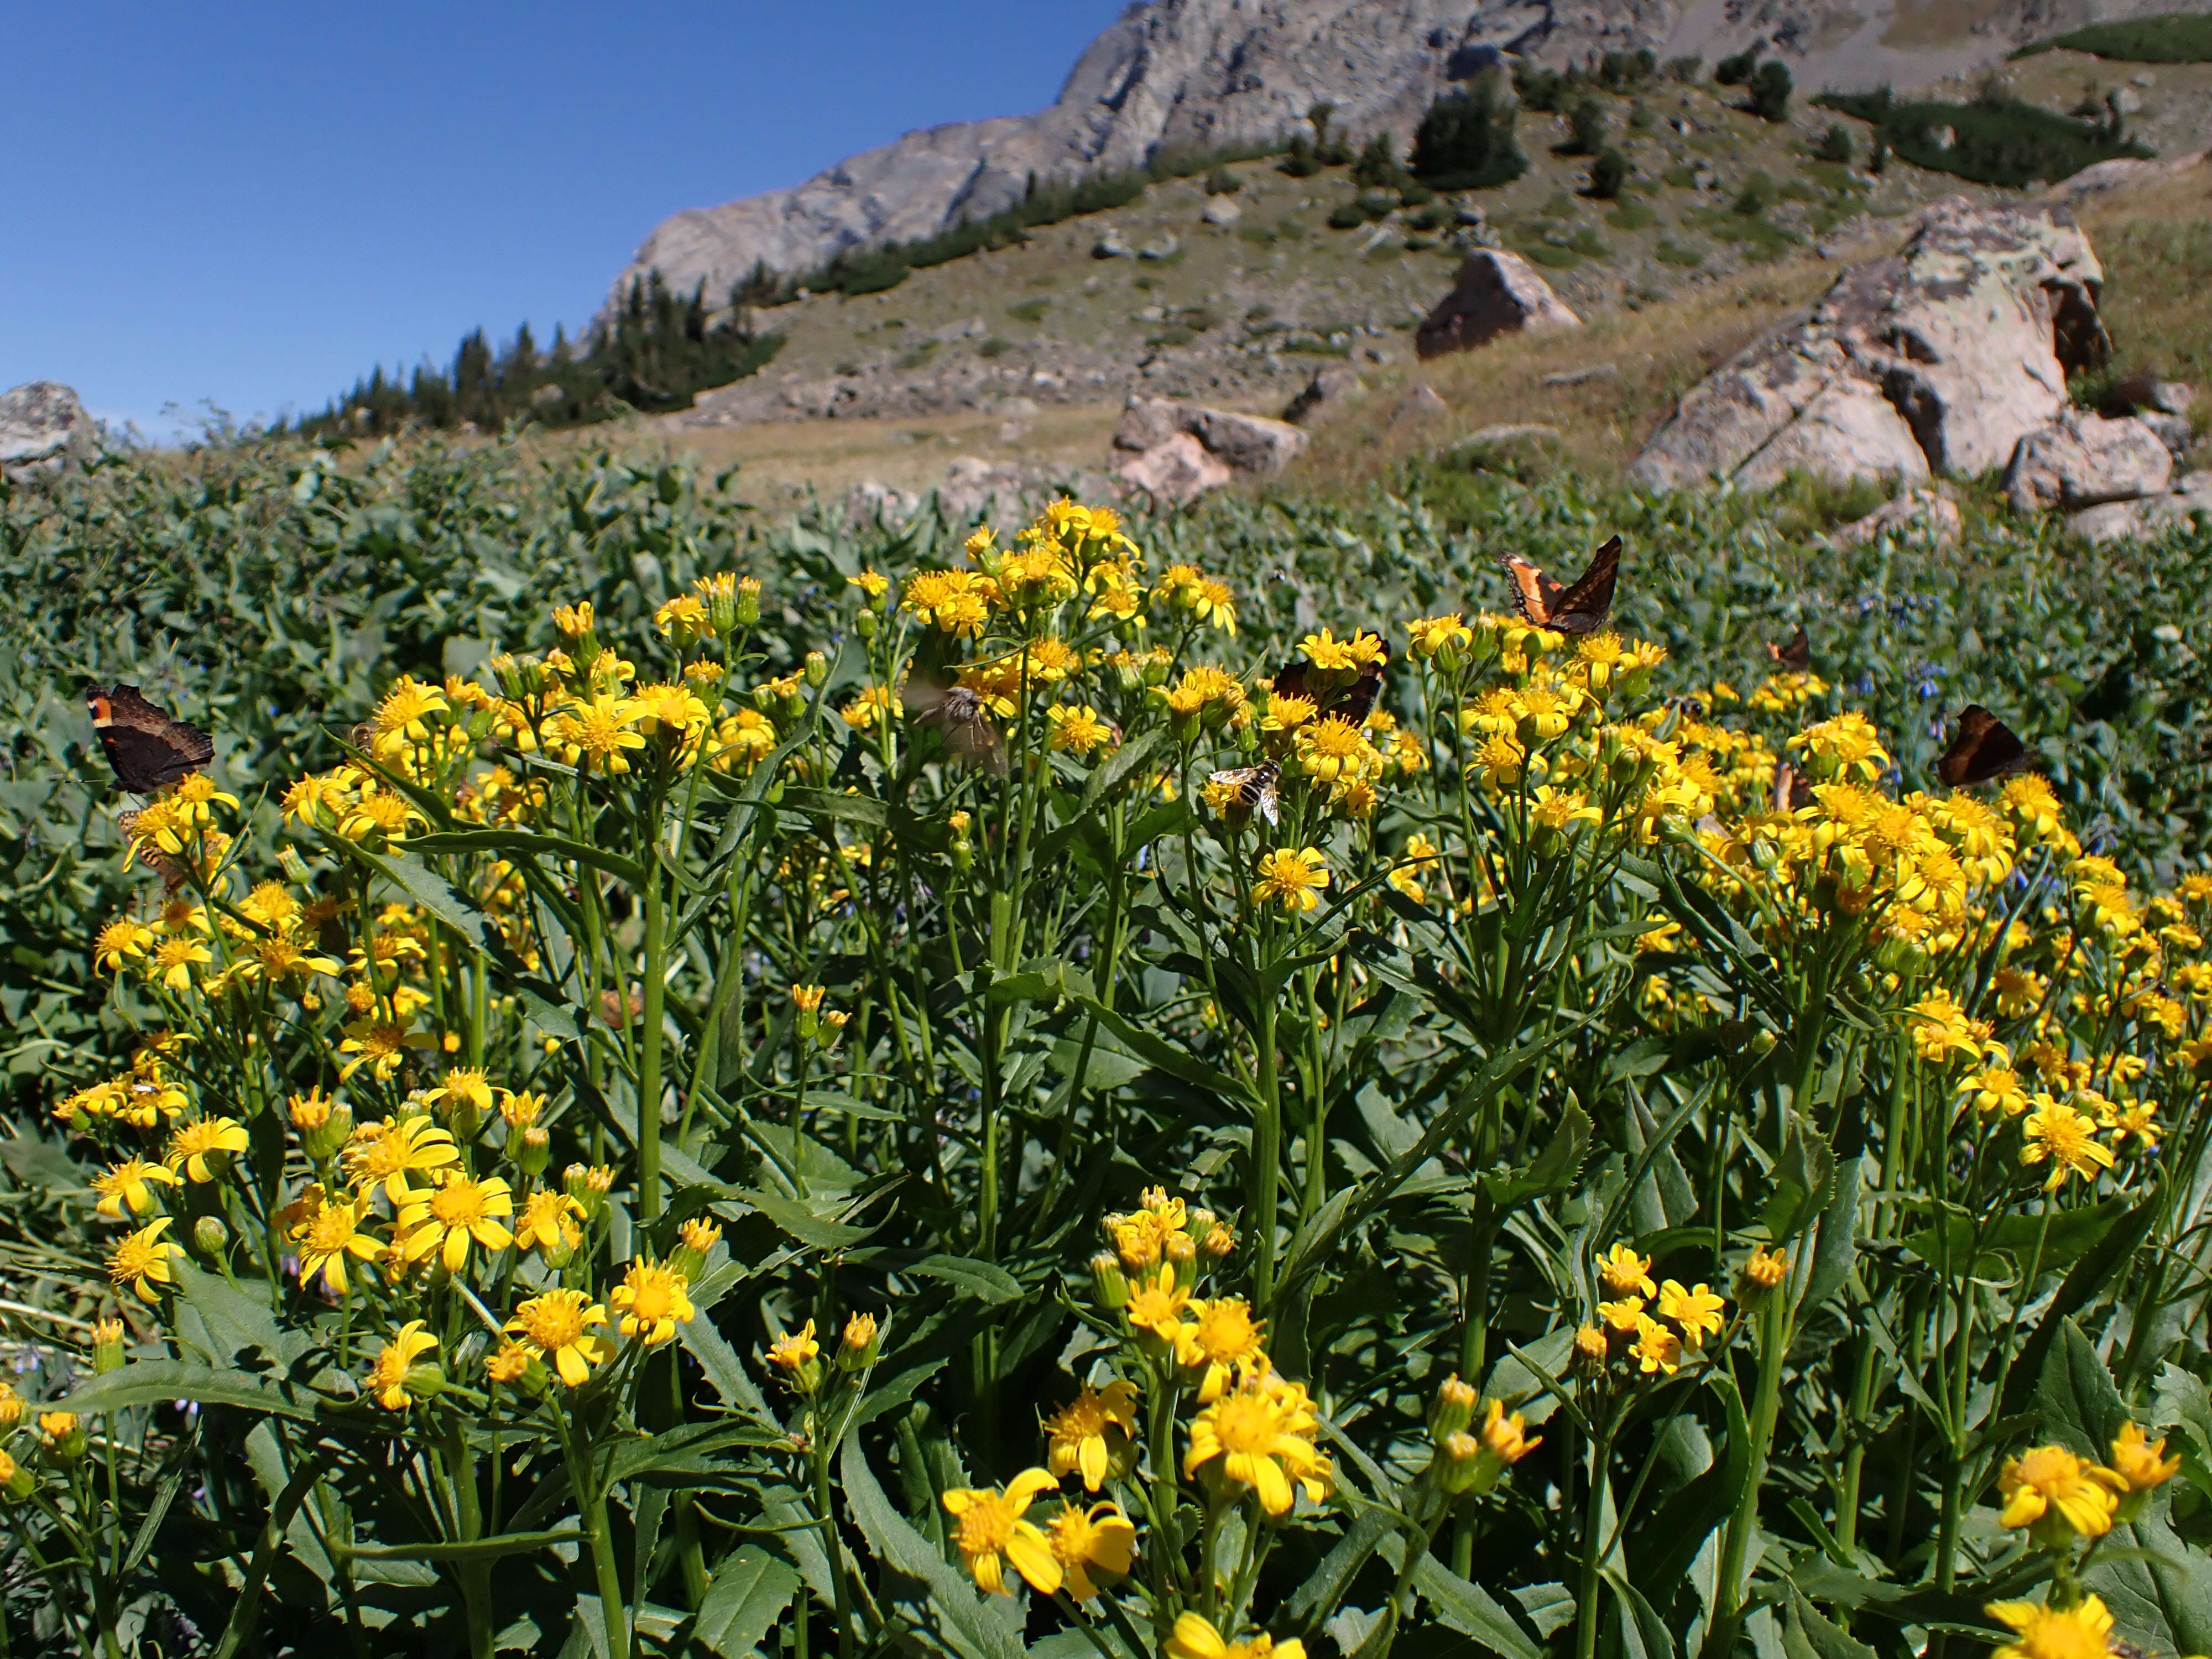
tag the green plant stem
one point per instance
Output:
(826, 1508)
(591, 1506)
(1766, 1405)
(475, 1576)
(1593, 1563)
(649, 1036)
(1266, 1161)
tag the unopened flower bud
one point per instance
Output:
(15, 1480)
(865, 624)
(107, 1346)
(1454, 1409)
(210, 1236)
(1109, 1281)
(857, 1351)
(748, 609)
(695, 1238)
(533, 1151)
(65, 1436)
(1181, 1250)
(818, 669)
(1460, 1464)
(1218, 1241)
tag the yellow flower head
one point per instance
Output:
(653, 1299)
(558, 1326)
(1261, 1437)
(124, 1186)
(1292, 879)
(444, 1219)
(1091, 1431)
(389, 1382)
(1195, 1638)
(2141, 1462)
(2081, 1631)
(2051, 1481)
(1098, 1541)
(141, 1260)
(1696, 1312)
(991, 1530)
(1221, 1344)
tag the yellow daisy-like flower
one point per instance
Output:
(174, 960)
(654, 1301)
(387, 1154)
(381, 1045)
(1195, 1638)
(990, 1529)
(1696, 1312)
(550, 1222)
(1077, 729)
(445, 1218)
(794, 1349)
(1098, 1539)
(2051, 1480)
(124, 1186)
(1656, 1348)
(388, 1377)
(1221, 1344)
(1291, 878)
(142, 1260)
(2083, 1631)
(1623, 1272)
(122, 940)
(1994, 1090)
(2067, 1139)
(328, 1236)
(203, 1148)
(400, 719)
(1261, 1437)
(1157, 1306)
(558, 1326)
(2141, 1462)
(1091, 1431)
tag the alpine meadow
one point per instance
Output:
(688, 1083)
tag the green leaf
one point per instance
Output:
(2161, 1591)
(1668, 1537)
(985, 1281)
(2075, 1398)
(1466, 1607)
(2009, 1244)
(801, 1222)
(1550, 1607)
(1554, 1169)
(687, 1450)
(1804, 1181)
(157, 1381)
(428, 888)
(1835, 1244)
(966, 1622)
(1807, 1633)
(751, 1590)
(1042, 979)
(522, 843)
(2081, 1286)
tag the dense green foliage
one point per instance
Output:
(1466, 142)
(1997, 139)
(1429, 1106)
(2173, 37)
(654, 354)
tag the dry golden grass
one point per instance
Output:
(2156, 246)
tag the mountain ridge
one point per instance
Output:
(1211, 74)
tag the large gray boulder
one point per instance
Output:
(1246, 443)
(1939, 359)
(2189, 502)
(1496, 293)
(43, 427)
(1176, 471)
(2080, 461)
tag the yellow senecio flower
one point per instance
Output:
(1623, 1271)
(330, 1234)
(2051, 1480)
(1086, 1540)
(142, 1260)
(2068, 1140)
(2080, 1631)
(1261, 1437)
(387, 1377)
(194, 1144)
(124, 1187)
(991, 1531)
(1195, 1638)
(443, 1219)
(1696, 1312)
(550, 1222)
(1092, 1430)
(1222, 1344)
(388, 1152)
(1291, 879)
(558, 1326)
(2140, 1461)
(654, 1301)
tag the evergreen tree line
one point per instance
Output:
(660, 349)
(1997, 139)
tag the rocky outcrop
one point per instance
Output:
(2189, 502)
(1176, 471)
(1923, 515)
(1196, 75)
(1496, 293)
(2080, 461)
(43, 428)
(1937, 360)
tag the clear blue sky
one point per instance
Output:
(250, 203)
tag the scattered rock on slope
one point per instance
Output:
(1496, 293)
(43, 427)
(1230, 442)
(1176, 471)
(1939, 359)
(2080, 461)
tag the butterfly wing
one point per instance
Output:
(1583, 608)
(149, 748)
(1290, 679)
(1356, 700)
(1984, 749)
(1533, 592)
(1791, 793)
(957, 714)
(1795, 657)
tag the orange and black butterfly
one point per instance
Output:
(1579, 609)
(149, 747)
(1259, 788)
(1352, 702)
(1984, 750)
(1795, 657)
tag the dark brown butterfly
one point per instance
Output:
(1984, 749)
(1352, 702)
(149, 748)
(1581, 609)
(1259, 788)
(1795, 657)
(956, 714)
(1791, 792)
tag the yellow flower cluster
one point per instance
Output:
(1653, 1327)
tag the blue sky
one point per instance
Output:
(250, 203)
